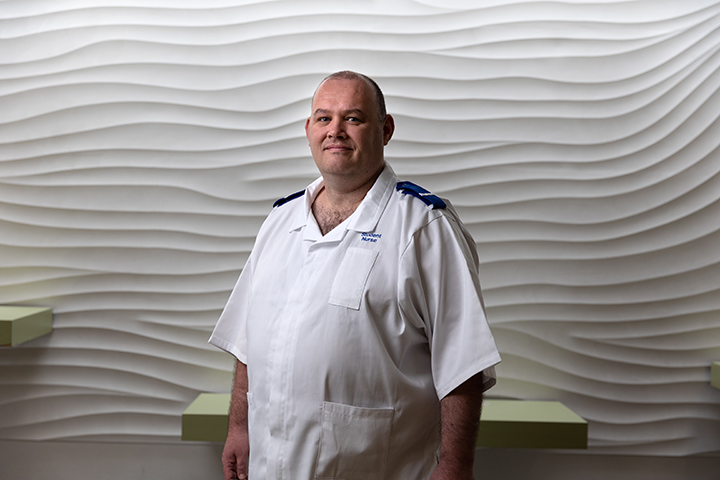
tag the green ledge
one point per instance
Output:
(530, 424)
(715, 374)
(206, 419)
(21, 324)
(504, 423)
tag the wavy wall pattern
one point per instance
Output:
(142, 144)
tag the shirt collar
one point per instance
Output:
(302, 216)
(366, 216)
(368, 213)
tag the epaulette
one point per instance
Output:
(432, 201)
(284, 200)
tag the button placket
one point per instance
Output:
(283, 354)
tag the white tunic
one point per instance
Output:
(353, 337)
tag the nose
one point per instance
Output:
(337, 130)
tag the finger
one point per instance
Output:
(229, 469)
(242, 470)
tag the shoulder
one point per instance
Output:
(418, 205)
(413, 208)
(421, 214)
(282, 201)
(430, 200)
(283, 213)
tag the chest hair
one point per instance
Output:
(328, 218)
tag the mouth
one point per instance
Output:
(336, 148)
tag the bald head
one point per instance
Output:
(349, 75)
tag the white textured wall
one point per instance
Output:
(143, 142)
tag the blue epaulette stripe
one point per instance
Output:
(284, 200)
(417, 191)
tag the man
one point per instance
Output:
(357, 321)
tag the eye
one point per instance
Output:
(323, 119)
(353, 119)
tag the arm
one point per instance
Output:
(237, 446)
(460, 420)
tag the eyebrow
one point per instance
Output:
(323, 111)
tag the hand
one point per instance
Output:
(235, 456)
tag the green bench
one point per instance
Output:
(206, 419)
(504, 423)
(21, 324)
(530, 424)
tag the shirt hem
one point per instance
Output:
(466, 374)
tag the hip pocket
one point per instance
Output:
(351, 277)
(354, 442)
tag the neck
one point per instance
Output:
(334, 204)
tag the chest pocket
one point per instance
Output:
(349, 283)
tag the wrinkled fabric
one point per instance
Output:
(351, 339)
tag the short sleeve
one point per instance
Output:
(230, 331)
(442, 293)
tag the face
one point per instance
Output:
(345, 133)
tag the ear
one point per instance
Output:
(388, 129)
(307, 129)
